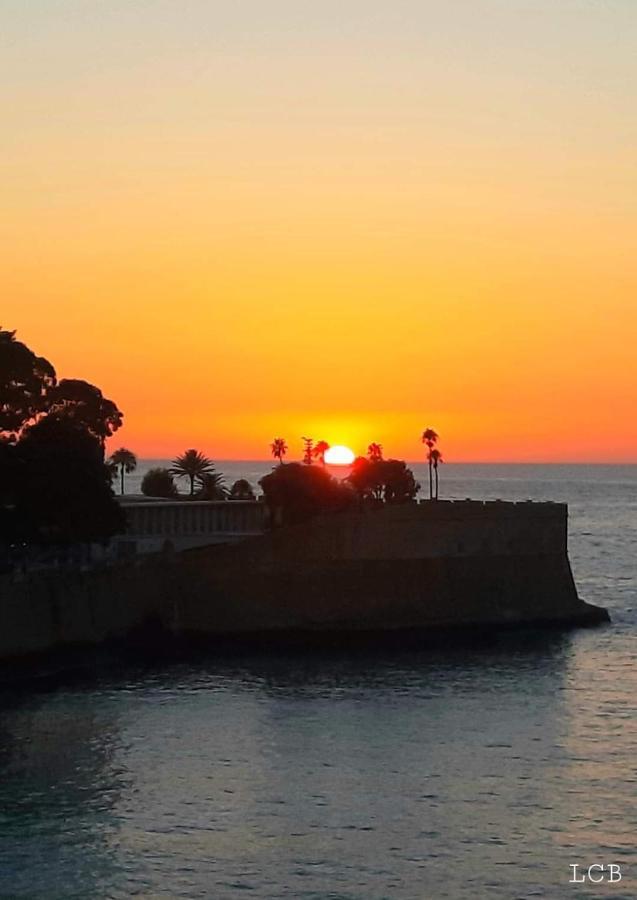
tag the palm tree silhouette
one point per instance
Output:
(279, 448)
(123, 461)
(430, 437)
(319, 450)
(308, 450)
(436, 459)
(375, 452)
(193, 465)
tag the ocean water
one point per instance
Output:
(464, 772)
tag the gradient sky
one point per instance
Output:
(344, 219)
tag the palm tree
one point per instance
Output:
(319, 450)
(430, 437)
(375, 452)
(212, 487)
(436, 459)
(193, 465)
(308, 450)
(279, 448)
(123, 461)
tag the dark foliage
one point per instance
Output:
(212, 487)
(159, 483)
(387, 480)
(84, 405)
(295, 492)
(54, 485)
(65, 495)
(241, 490)
(25, 383)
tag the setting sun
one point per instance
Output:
(338, 455)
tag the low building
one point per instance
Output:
(157, 524)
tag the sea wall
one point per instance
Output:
(415, 566)
(412, 566)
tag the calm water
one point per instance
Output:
(463, 773)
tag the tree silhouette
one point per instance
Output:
(436, 459)
(430, 438)
(279, 448)
(308, 450)
(25, 382)
(158, 483)
(212, 487)
(387, 480)
(319, 451)
(375, 452)
(66, 495)
(192, 465)
(241, 490)
(84, 404)
(124, 461)
(296, 492)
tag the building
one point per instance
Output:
(157, 524)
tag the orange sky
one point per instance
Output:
(278, 219)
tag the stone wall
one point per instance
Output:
(414, 566)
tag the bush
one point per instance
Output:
(295, 493)
(158, 483)
(241, 490)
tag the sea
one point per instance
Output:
(477, 770)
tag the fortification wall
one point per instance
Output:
(413, 566)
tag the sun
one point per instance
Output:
(338, 455)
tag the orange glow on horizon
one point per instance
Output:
(234, 240)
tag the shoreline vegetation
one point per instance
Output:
(57, 485)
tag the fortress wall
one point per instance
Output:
(418, 565)
(403, 566)
(47, 609)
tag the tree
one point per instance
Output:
(308, 450)
(212, 487)
(192, 465)
(66, 495)
(241, 490)
(159, 483)
(83, 404)
(387, 480)
(436, 459)
(124, 461)
(296, 492)
(25, 383)
(279, 448)
(375, 452)
(430, 438)
(319, 450)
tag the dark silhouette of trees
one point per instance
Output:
(159, 483)
(279, 448)
(29, 389)
(375, 452)
(436, 460)
(123, 462)
(212, 487)
(387, 480)
(308, 450)
(192, 465)
(241, 490)
(430, 439)
(65, 495)
(296, 492)
(25, 383)
(319, 450)
(55, 487)
(84, 405)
